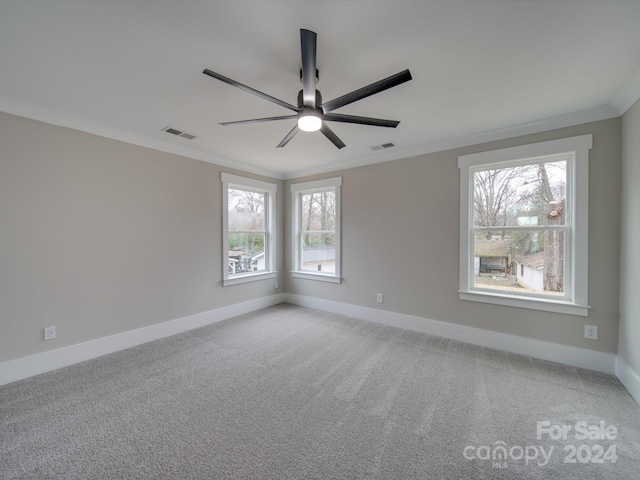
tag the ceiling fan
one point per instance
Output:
(311, 113)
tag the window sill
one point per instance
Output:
(317, 276)
(543, 304)
(249, 277)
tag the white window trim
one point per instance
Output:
(579, 197)
(326, 184)
(243, 183)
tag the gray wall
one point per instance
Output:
(99, 237)
(400, 234)
(629, 343)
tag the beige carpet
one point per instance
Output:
(289, 392)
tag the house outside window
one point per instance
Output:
(524, 226)
(248, 216)
(316, 229)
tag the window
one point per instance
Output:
(316, 229)
(524, 226)
(248, 217)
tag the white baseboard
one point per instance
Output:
(628, 378)
(577, 357)
(31, 365)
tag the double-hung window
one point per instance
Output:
(524, 226)
(248, 217)
(316, 229)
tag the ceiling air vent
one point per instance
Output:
(383, 146)
(179, 133)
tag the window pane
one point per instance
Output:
(246, 210)
(525, 261)
(521, 195)
(246, 252)
(319, 252)
(318, 211)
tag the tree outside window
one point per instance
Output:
(529, 195)
(248, 229)
(316, 229)
(524, 225)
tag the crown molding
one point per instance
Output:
(628, 95)
(569, 120)
(34, 112)
(623, 100)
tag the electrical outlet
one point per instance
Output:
(50, 333)
(275, 285)
(380, 298)
(591, 332)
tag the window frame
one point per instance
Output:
(575, 301)
(297, 190)
(270, 191)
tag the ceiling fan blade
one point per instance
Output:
(308, 47)
(367, 91)
(377, 122)
(241, 86)
(289, 136)
(256, 120)
(331, 136)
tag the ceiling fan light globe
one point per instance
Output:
(309, 123)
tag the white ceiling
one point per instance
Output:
(480, 69)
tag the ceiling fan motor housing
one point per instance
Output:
(301, 99)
